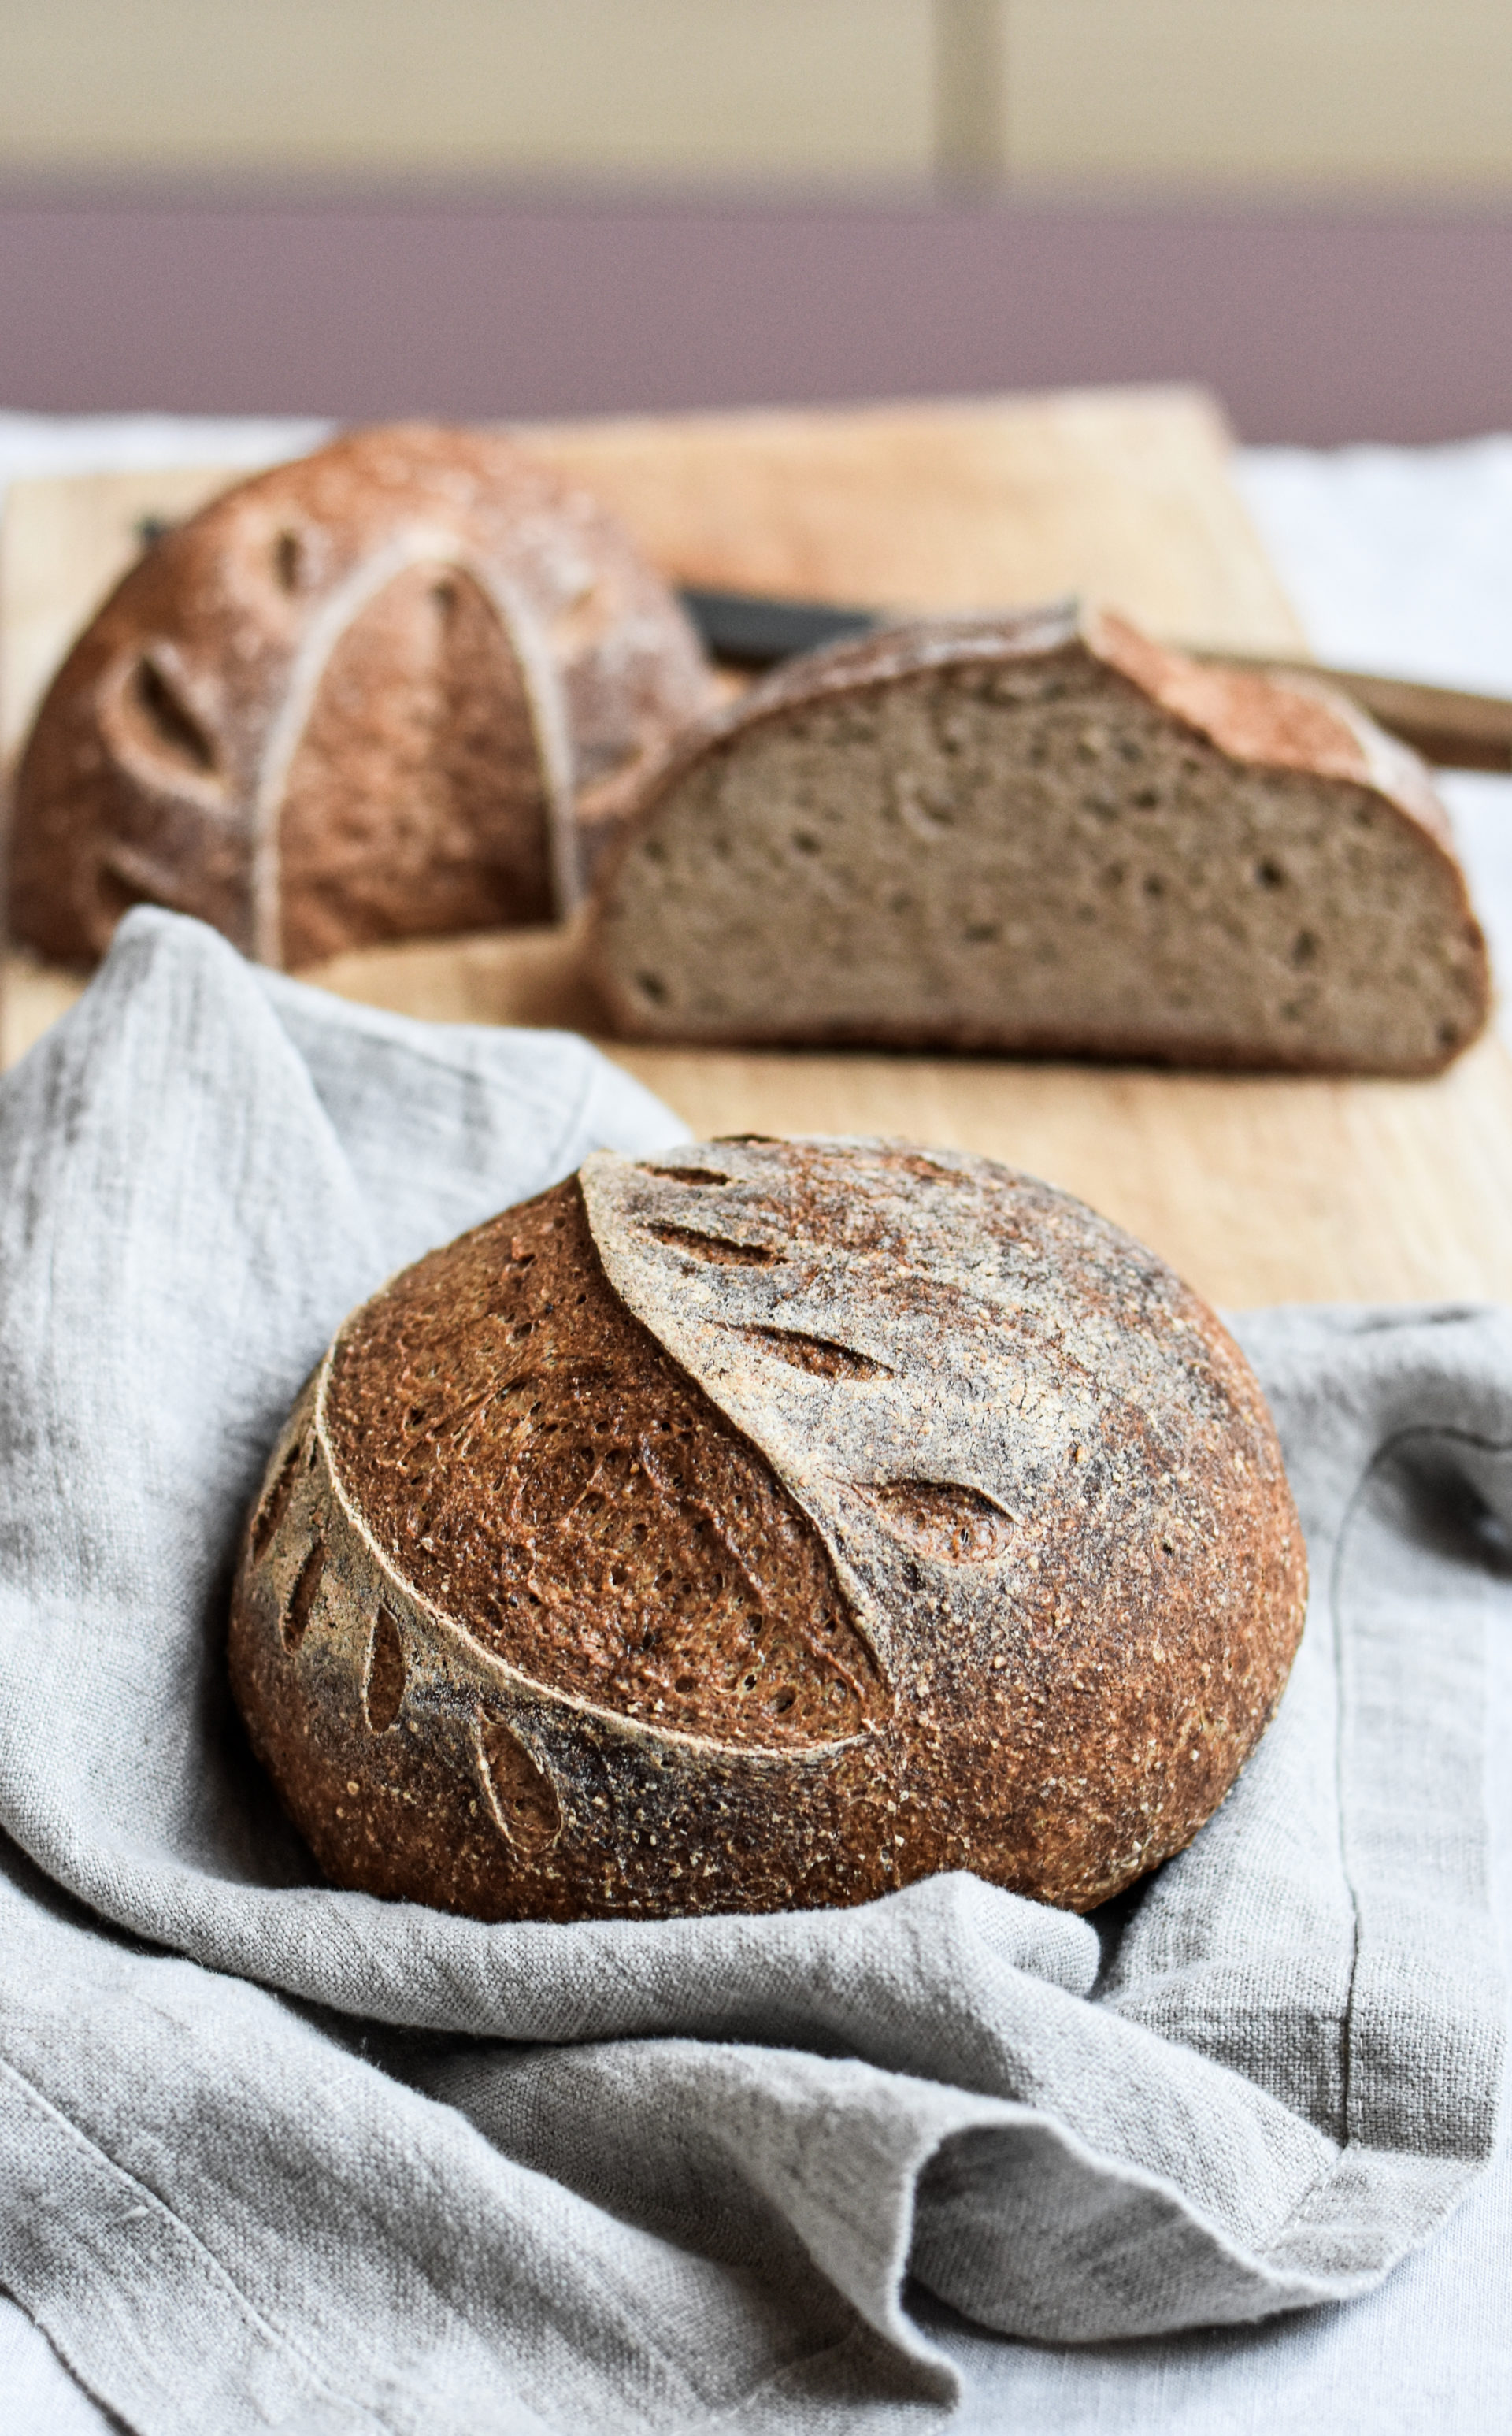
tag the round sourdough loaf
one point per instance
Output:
(765, 1526)
(361, 697)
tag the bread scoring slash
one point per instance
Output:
(1044, 834)
(768, 1525)
(367, 695)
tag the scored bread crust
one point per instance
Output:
(768, 869)
(355, 698)
(768, 1525)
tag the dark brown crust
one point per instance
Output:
(1263, 720)
(999, 1495)
(349, 700)
(557, 1480)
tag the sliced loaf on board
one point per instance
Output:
(1044, 834)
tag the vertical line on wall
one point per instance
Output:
(970, 95)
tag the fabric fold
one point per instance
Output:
(278, 2155)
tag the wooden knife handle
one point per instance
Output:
(1452, 730)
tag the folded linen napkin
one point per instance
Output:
(276, 2156)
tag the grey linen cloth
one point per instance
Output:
(272, 2156)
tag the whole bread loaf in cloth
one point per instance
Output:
(1044, 834)
(360, 697)
(768, 1525)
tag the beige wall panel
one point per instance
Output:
(1330, 93)
(970, 93)
(786, 89)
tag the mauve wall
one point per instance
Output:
(1315, 328)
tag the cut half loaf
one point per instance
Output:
(1044, 834)
(364, 696)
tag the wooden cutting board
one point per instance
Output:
(1257, 1188)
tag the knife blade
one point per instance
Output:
(1450, 727)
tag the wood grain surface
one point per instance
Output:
(1257, 1188)
(1121, 494)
